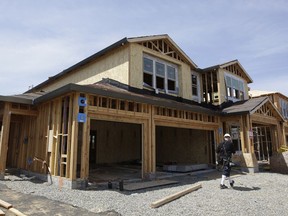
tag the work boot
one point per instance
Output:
(222, 186)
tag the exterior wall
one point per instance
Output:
(222, 85)
(114, 66)
(136, 69)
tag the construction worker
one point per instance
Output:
(225, 150)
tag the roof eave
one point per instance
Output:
(14, 99)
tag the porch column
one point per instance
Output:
(85, 145)
(148, 147)
(4, 138)
(281, 135)
(249, 161)
(74, 139)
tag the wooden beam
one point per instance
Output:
(174, 196)
(5, 204)
(16, 212)
(1, 213)
(4, 138)
(85, 147)
(74, 138)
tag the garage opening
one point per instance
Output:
(180, 146)
(115, 151)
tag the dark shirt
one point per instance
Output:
(225, 149)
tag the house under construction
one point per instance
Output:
(139, 101)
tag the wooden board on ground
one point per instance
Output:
(174, 196)
(1, 212)
(16, 212)
(148, 184)
(5, 204)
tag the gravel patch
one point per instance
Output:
(253, 194)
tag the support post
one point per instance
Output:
(74, 139)
(4, 138)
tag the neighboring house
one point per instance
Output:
(281, 103)
(140, 99)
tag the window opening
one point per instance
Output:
(160, 75)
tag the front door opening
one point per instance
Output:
(262, 142)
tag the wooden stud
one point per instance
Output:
(16, 212)
(4, 138)
(74, 138)
(85, 147)
(5, 204)
(1, 213)
(174, 196)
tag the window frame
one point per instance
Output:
(156, 75)
(234, 87)
(195, 86)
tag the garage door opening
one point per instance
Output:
(115, 151)
(180, 146)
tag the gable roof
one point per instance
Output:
(233, 66)
(259, 93)
(114, 46)
(250, 107)
(160, 40)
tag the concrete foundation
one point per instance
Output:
(58, 181)
(184, 168)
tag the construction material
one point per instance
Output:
(16, 212)
(10, 208)
(172, 197)
(5, 204)
(148, 184)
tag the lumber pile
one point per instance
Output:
(10, 208)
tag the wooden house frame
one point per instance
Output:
(51, 128)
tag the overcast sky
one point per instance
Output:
(40, 38)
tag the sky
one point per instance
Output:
(40, 38)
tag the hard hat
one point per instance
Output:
(227, 135)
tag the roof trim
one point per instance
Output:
(15, 99)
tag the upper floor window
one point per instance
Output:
(284, 108)
(160, 75)
(235, 88)
(194, 85)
